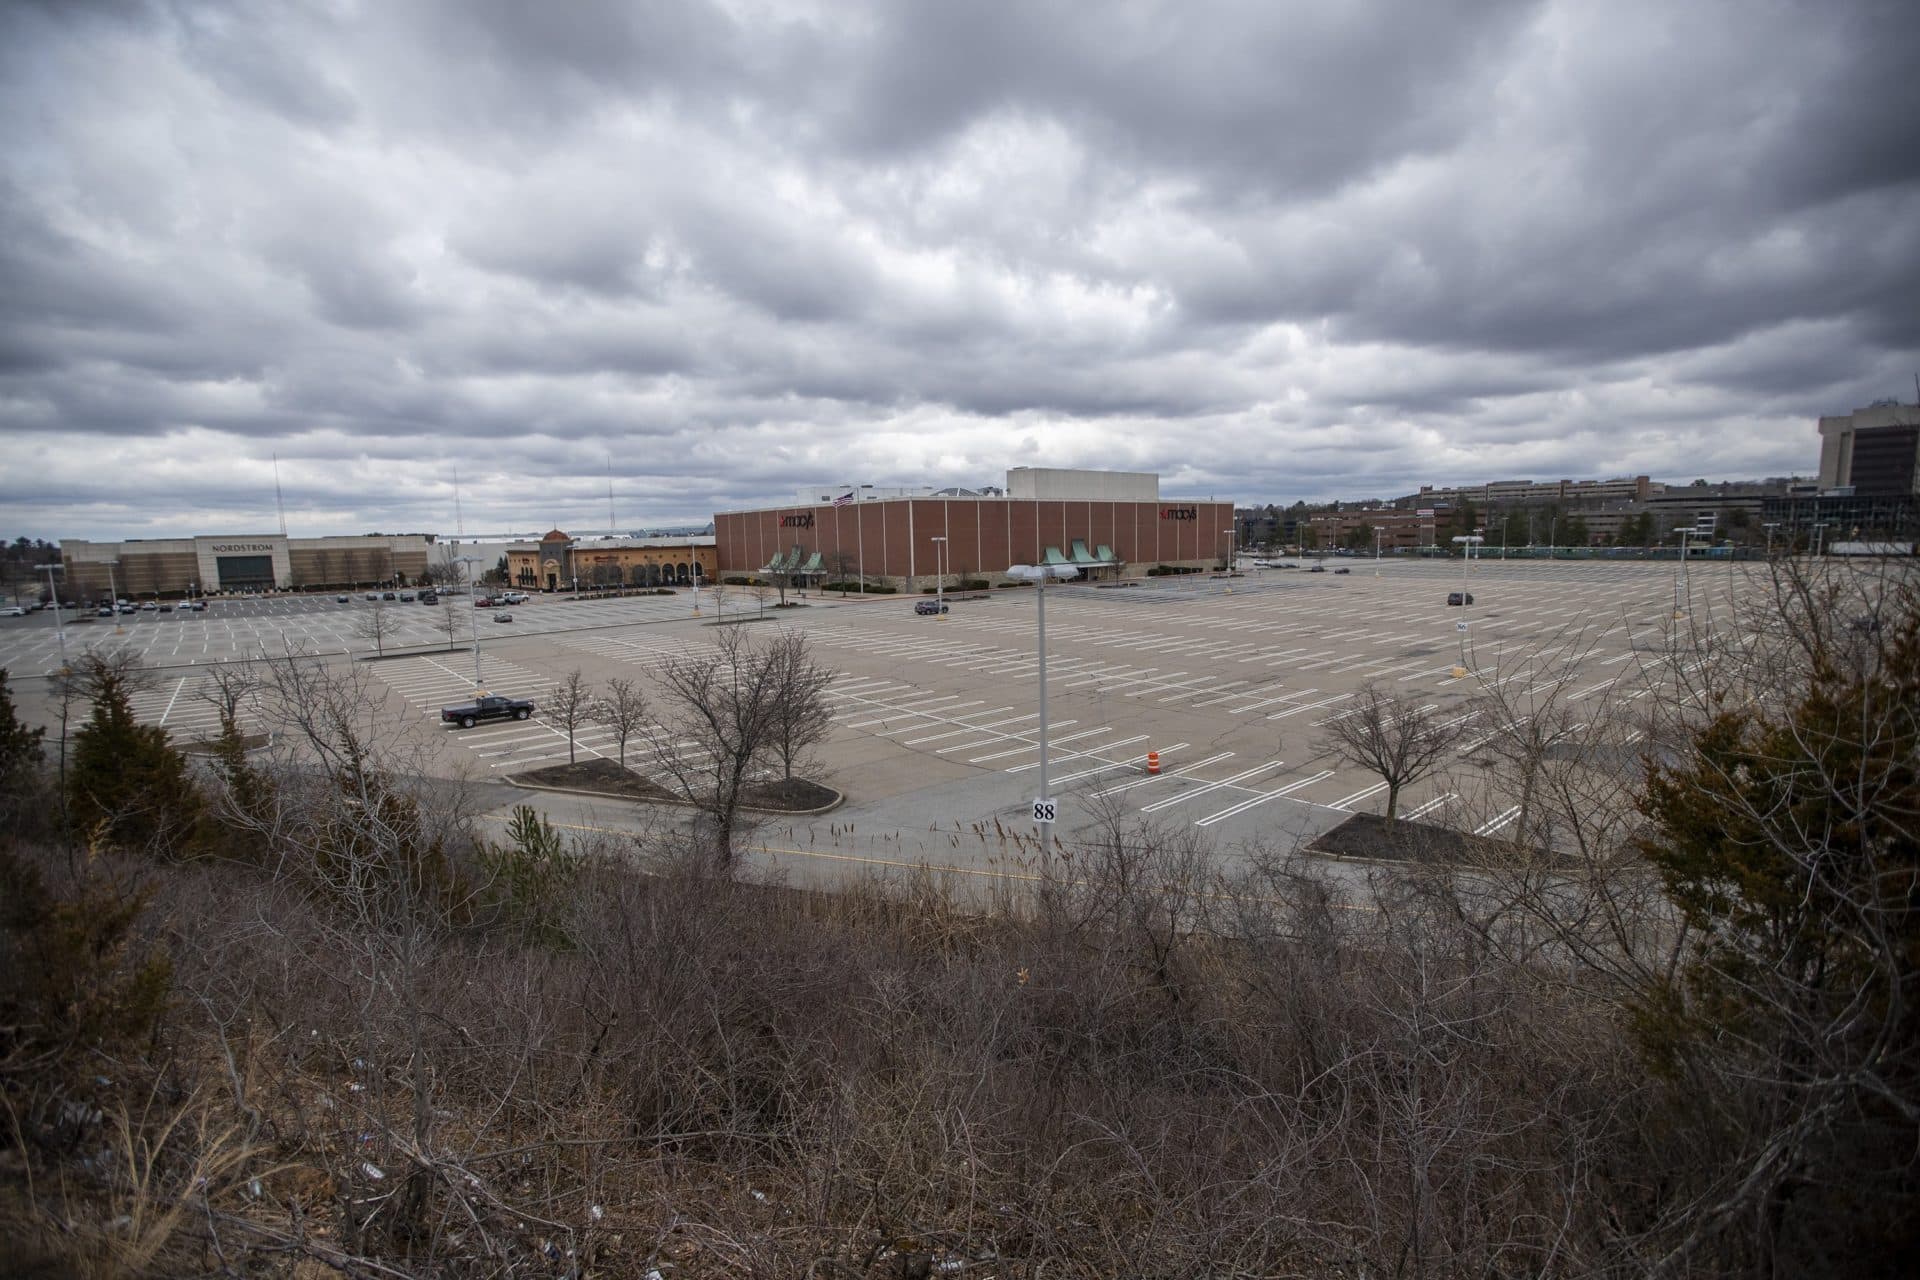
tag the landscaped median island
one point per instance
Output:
(1404, 840)
(609, 778)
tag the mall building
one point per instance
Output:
(239, 562)
(558, 562)
(1105, 523)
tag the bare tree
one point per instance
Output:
(571, 705)
(452, 610)
(1400, 740)
(228, 688)
(376, 624)
(717, 730)
(801, 717)
(841, 564)
(623, 711)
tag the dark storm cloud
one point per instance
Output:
(743, 247)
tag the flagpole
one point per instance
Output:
(860, 541)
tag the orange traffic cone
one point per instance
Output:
(1153, 762)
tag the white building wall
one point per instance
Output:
(1055, 484)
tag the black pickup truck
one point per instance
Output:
(468, 714)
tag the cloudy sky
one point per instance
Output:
(733, 248)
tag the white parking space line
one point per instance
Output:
(1277, 793)
(1075, 755)
(1052, 741)
(1205, 789)
(1438, 802)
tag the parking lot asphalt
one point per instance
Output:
(1232, 681)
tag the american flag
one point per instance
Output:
(843, 499)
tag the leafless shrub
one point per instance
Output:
(376, 623)
(1397, 738)
(623, 711)
(724, 715)
(571, 704)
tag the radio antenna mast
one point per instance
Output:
(459, 521)
(613, 526)
(279, 498)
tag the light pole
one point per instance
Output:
(1038, 575)
(696, 587)
(1682, 586)
(114, 591)
(940, 576)
(1467, 543)
(1377, 532)
(479, 685)
(1819, 536)
(59, 624)
(1770, 528)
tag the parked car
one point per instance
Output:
(166, 608)
(429, 597)
(1343, 569)
(373, 595)
(149, 607)
(1318, 568)
(1459, 597)
(406, 597)
(929, 606)
(195, 606)
(340, 599)
(503, 616)
(13, 611)
(387, 595)
(468, 714)
(484, 602)
(105, 611)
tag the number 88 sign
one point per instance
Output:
(1044, 811)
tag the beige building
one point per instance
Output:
(210, 564)
(558, 562)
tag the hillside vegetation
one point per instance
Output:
(306, 1015)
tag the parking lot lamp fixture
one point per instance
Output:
(479, 684)
(939, 576)
(1467, 543)
(59, 624)
(1039, 575)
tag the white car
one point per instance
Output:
(13, 611)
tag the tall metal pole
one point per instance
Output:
(478, 683)
(114, 591)
(1040, 605)
(59, 624)
(940, 577)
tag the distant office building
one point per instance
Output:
(1102, 522)
(212, 563)
(1535, 492)
(1875, 451)
(1362, 530)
